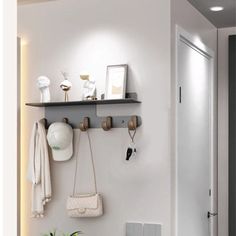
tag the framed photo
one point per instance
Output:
(116, 82)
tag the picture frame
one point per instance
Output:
(116, 80)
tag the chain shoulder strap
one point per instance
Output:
(77, 160)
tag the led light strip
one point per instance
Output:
(1, 121)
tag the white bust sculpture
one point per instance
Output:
(43, 84)
(89, 88)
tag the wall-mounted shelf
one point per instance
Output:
(79, 103)
(75, 111)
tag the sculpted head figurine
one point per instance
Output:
(43, 84)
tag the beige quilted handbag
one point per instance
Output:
(85, 205)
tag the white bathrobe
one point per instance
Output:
(39, 170)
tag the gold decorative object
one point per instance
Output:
(65, 86)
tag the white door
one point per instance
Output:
(194, 132)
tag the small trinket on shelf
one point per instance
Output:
(89, 87)
(43, 84)
(66, 86)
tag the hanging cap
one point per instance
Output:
(60, 139)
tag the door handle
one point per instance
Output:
(210, 214)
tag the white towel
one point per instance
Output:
(39, 170)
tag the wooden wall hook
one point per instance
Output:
(45, 121)
(83, 126)
(133, 123)
(107, 124)
(66, 120)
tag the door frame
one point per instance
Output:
(197, 44)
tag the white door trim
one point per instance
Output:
(197, 44)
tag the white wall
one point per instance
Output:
(90, 34)
(8, 120)
(223, 77)
(136, 33)
(1, 120)
(188, 18)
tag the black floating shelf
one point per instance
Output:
(78, 103)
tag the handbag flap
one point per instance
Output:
(86, 201)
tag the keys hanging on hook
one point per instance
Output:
(131, 151)
(132, 127)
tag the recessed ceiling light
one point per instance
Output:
(217, 8)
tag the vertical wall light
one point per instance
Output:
(1, 120)
(23, 164)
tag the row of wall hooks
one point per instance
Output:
(86, 117)
(106, 123)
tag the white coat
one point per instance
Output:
(39, 170)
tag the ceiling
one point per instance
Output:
(225, 18)
(221, 19)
